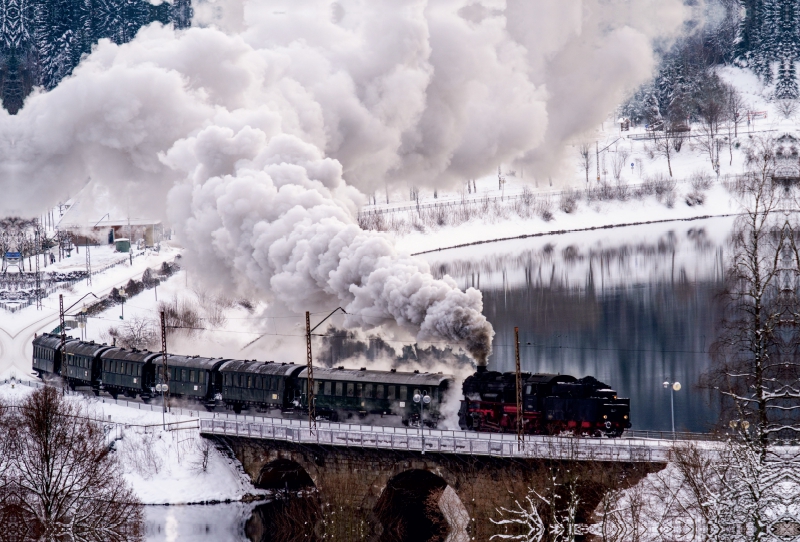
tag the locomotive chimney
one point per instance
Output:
(481, 369)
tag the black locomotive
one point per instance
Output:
(551, 404)
(240, 384)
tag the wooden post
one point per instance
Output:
(312, 417)
(520, 427)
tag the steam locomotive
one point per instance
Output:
(551, 404)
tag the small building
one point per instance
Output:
(151, 232)
(787, 159)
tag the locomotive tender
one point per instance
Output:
(552, 404)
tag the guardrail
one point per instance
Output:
(443, 441)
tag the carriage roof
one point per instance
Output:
(260, 367)
(50, 340)
(378, 377)
(194, 362)
(123, 354)
(83, 348)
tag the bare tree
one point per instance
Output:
(663, 143)
(63, 479)
(618, 162)
(585, 152)
(755, 367)
(136, 332)
(736, 109)
(711, 108)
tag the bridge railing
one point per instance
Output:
(444, 441)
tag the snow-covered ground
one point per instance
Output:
(162, 467)
(17, 329)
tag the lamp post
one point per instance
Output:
(673, 387)
(422, 400)
(122, 295)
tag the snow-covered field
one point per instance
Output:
(162, 466)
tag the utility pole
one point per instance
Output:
(312, 418)
(520, 434)
(61, 318)
(130, 241)
(88, 263)
(597, 158)
(38, 277)
(165, 369)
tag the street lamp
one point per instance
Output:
(673, 387)
(422, 400)
(122, 295)
(163, 389)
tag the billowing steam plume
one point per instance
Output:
(244, 136)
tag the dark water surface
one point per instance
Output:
(631, 306)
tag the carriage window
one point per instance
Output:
(327, 388)
(131, 369)
(528, 389)
(249, 381)
(350, 389)
(368, 391)
(138, 370)
(339, 389)
(201, 377)
(403, 393)
(116, 366)
(227, 380)
(191, 376)
(390, 393)
(359, 390)
(379, 391)
(183, 375)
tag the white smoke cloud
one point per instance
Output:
(259, 138)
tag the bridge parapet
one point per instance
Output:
(627, 450)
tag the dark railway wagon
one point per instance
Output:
(190, 377)
(258, 384)
(47, 354)
(81, 364)
(344, 392)
(125, 372)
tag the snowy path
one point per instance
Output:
(17, 330)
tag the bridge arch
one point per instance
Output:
(284, 474)
(418, 504)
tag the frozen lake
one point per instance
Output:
(631, 306)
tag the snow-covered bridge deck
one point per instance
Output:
(634, 450)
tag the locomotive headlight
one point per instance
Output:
(605, 417)
(625, 417)
(615, 397)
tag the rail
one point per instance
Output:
(633, 446)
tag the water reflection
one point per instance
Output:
(632, 306)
